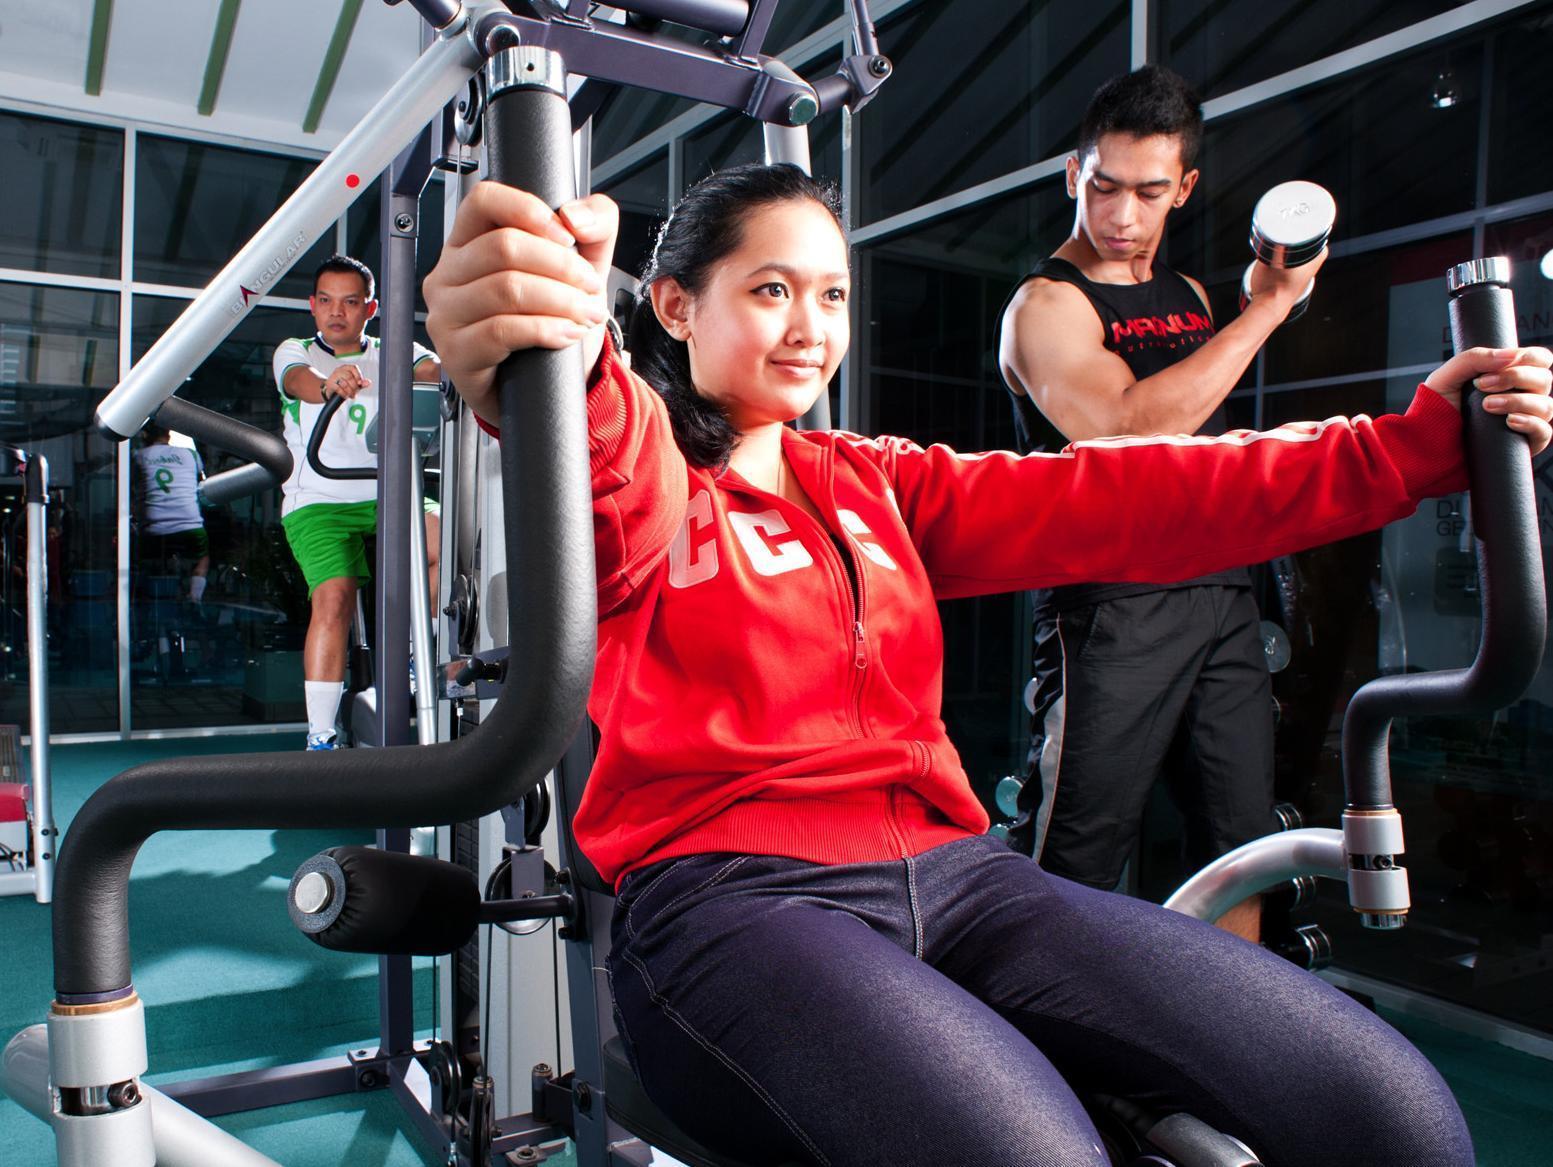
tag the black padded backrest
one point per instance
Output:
(571, 777)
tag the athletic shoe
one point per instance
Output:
(322, 741)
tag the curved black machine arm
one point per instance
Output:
(315, 442)
(551, 590)
(269, 458)
(1509, 552)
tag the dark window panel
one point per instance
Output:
(933, 298)
(729, 141)
(196, 205)
(237, 659)
(1007, 89)
(629, 115)
(644, 204)
(1373, 139)
(1377, 310)
(1220, 47)
(1527, 242)
(796, 19)
(61, 201)
(59, 355)
(364, 239)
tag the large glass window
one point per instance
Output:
(1363, 138)
(975, 98)
(1519, 162)
(197, 204)
(630, 114)
(643, 197)
(235, 657)
(60, 203)
(796, 19)
(58, 356)
(1220, 49)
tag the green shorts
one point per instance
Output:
(328, 540)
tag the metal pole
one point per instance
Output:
(405, 180)
(181, 1137)
(428, 678)
(43, 831)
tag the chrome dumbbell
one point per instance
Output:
(1289, 227)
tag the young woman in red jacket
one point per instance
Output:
(819, 955)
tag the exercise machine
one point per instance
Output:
(95, 1039)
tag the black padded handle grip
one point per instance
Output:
(315, 441)
(1509, 552)
(227, 433)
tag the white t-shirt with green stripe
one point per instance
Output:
(345, 445)
(166, 488)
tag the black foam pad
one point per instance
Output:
(389, 902)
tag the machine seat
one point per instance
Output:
(628, 1104)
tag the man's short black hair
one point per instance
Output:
(345, 263)
(1152, 100)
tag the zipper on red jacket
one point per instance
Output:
(852, 571)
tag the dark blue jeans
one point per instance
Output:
(942, 1010)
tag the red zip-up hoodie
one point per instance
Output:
(769, 685)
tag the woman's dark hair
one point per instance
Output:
(1151, 100)
(705, 226)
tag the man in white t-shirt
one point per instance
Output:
(326, 519)
(164, 489)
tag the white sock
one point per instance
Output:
(197, 588)
(323, 704)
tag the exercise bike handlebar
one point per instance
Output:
(1509, 555)
(550, 596)
(315, 443)
(269, 458)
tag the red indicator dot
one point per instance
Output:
(353, 181)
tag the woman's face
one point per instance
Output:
(770, 326)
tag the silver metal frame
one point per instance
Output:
(37, 879)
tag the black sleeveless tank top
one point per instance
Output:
(1151, 326)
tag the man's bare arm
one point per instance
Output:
(1053, 351)
(305, 384)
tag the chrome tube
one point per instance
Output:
(1257, 866)
(181, 1137)
(428, 679)
(43, 831)
(787, 144)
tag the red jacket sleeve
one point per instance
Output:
(1162, 509)
(639, 477)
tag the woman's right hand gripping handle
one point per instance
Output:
(509, 279)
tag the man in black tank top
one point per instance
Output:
(1100, 340)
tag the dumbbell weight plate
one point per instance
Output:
(1291, 223)
(1299, 305)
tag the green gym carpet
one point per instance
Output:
(230, 985)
